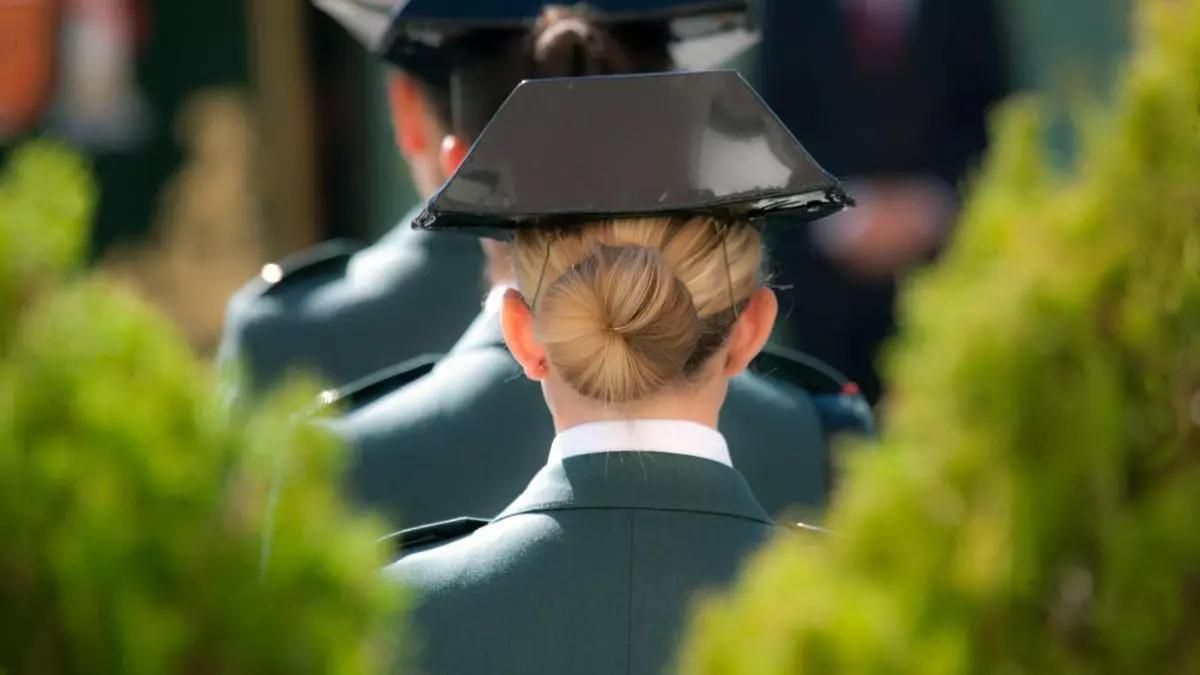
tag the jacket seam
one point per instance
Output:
(629, 601)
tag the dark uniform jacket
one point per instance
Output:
(343, 313)
(591, 570)
(460, 438)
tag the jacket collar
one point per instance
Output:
(641, 480)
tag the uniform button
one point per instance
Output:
(272, 273)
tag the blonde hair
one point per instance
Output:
(627, 307)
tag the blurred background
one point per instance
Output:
(227, 133)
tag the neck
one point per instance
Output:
(426, 178)
(502, 281)
(570, 409)
(498, 262)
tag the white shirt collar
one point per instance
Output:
(677, 437)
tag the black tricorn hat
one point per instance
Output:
(576, 149)
(419, 35)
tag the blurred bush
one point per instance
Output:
(46, 203)
(1034, 505)
(144, 532)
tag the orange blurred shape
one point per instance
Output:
(27, 48)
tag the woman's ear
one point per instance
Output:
(409, 115)
(453, 152)
(516, 321)
(751, 331)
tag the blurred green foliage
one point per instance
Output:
(46, 202)
(1034, 506)
(144, 530)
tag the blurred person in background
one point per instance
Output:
(28, 38)
(462, 436)
(892, 95)
(632, 310)
(77, 60)
(338, 310)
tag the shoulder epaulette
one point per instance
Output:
(319, 259)
(370, 387)
(844, 413)
(839, 402)
(424, 536)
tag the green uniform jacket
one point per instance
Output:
(591, 570)
(460, 438)
(344, 314)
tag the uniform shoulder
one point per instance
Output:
(380, 383)
(326, 258)
(422, 537)
(838, 401)
(802, 370)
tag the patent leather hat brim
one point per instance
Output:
(576, 149)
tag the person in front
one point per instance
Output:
(343, 312)
(636, 302)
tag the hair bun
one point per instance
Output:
(619, 324)
(568, 43)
